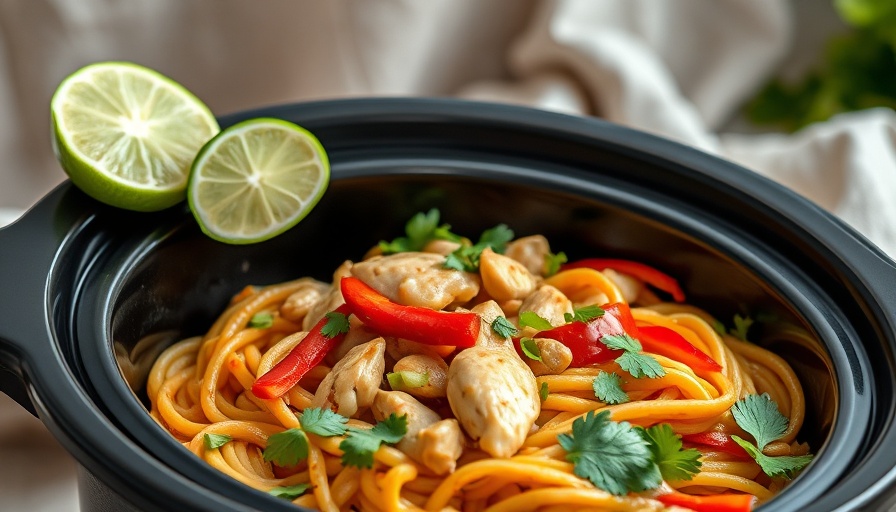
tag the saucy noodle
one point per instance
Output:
(203, 385)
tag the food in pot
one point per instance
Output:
(441, 374)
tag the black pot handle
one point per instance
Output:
(28, 248)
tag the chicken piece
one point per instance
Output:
(548, 303)
(489, 311)
(555, 357)
(491, 390)
(511, 307)
(441, 444)
(504, 278)
(354, 380)
(531, 251)
(297, 305)
(417, 279)
(433, 367)
(430, 440)
(357, 334)
(330, 301)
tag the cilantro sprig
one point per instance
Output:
(290, 447)
(611, 455)
(553, 262)
(785, 466)
(360, 445)
(584, 314)
(420, 230)
(323, 422)
(466, 257)
(759, 416)
(741, 327)
(674, 462)
(632, 360)
(287, 448)
(620, 458)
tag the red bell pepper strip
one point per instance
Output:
(718, 441)
(728, 502)
(645, 273)
(303, 357)
(414, 323)
(583, 339)
(666, 342)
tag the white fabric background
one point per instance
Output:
(678, 68)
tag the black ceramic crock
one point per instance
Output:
(89, 294)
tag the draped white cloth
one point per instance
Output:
(678, 68)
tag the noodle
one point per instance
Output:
(202, 386)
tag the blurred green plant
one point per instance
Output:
(858, 71)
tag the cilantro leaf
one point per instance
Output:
(530, 348)
(503, 327)
(466, 258)
(337, 323)
(420, 230)
(263, 320)
(552, 262)
(632, 360)
(673, 462)
(759, 416)
(213, 441)
(544, 391)
(531, 319)
(608, 389)
(584, 314)
(360, 444)
(399, 381)
(287, 448)
(613, 456)
(621, 342)
(323, 422)
(640, 365)
(741, 326)
(496, 238)
(290, 492)
(391, 429)
(719, 327)
(784, 466)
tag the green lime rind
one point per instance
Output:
(202, 202)
(99, 180)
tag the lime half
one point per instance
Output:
(256, 179)
(127, 135)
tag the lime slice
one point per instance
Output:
(127, 135)
(256, 179)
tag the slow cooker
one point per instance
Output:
(89, 295)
